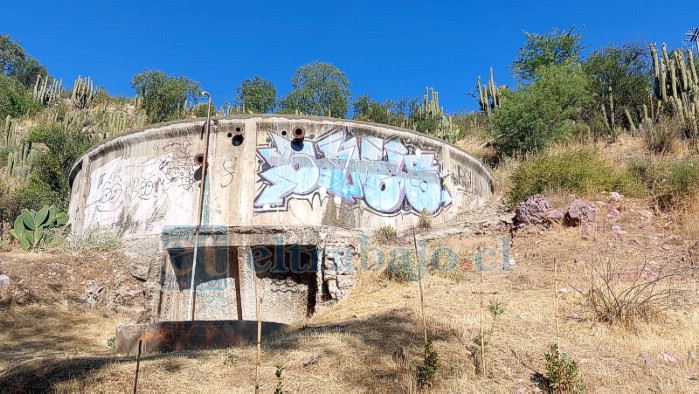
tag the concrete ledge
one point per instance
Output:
(172, 336)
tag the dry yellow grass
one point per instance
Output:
(355, 339)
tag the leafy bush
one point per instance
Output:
(318, 89)
(164, 96)
(256, 95)
(385, 234)
(576, 170)
(34, 194)
(425, 220)
(624, 72)
(63, 146)
(535, 116)
(562, 372)
(430, 364)
(202, 110)
(668, 181)
(14, 100)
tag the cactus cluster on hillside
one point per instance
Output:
(47, 90)
(676, 83)
(431, 119)
(489, 95)
(20, 155)
(83, 90)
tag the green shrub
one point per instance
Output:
(425, 220)
(544, 112)
(33, 195)
(562, 372)
(426, 372)
(667, 181)
(385, 234)
(202, 110)
(577, 170)
(14, 100)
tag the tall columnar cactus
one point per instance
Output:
(83, 90)
(488, 95)
(20, 162)
(47, 90)
(676, 83)
(7, 130)
(433, 115)
(30, 226)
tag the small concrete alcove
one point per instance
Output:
(287, 276)
(217, 284)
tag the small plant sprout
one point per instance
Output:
(279, 373)
(482, 340)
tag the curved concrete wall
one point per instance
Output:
(345, 174)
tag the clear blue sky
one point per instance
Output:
(387, 48)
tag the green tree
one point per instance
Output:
(544, 50)
(256, 95)
(15, 62)
(543, 112)
(318, 89)
(15, 100)
(623, 71)
(164, 96)
(395, 113)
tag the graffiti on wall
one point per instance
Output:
(388, 175)
(140, 194)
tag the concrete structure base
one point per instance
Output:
(172, 336)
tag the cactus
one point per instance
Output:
(488, 95)
(47, 90)
(29, 227)
(676, 83)
(433, 118)
(83, 90)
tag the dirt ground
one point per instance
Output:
(57, 343)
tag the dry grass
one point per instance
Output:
(355, 340)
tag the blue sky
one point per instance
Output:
(387, 48)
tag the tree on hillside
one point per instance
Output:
(624, 72)
(318, 89)
(543, 50)
(164, 96)
(543, 112)
(16, 63)
(15, 101)
(256, 95)
(394, 113)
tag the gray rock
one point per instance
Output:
(4, 282)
